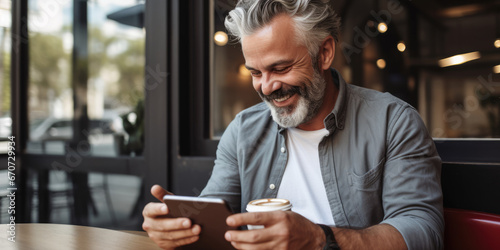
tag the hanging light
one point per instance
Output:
(459, 59)
(497, 43)
(220, 38)
(496, 69)
(381, 63)
(401, 46)
(382, 27)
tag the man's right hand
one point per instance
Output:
(167, 233)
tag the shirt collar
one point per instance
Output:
(336, 119)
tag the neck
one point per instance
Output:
(329, 100)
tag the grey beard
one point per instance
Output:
(310, 100)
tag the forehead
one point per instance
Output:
(273, 42)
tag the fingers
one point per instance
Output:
(283, 230)
(249, 236)
(173, 239)
(252, 239)
(158, 192)
(274, 235)
(168, 233)
(251, 246)
(154, 219)
(154, 209)
(166, 224)
(177, 243)
(177, 234)
(256, 218)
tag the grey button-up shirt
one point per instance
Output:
(379, 164)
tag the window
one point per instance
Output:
(5, 50)
(107, 79)
(84, 105)
(50, 75)
(462, 98)
(462, 103)
(232, 89)
(396, 47)
(442, 65)
(115, 87)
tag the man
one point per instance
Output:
(354, 159)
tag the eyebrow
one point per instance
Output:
(280, 62)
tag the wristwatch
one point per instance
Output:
(331, 243)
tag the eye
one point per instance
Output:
(255, 73)
(282, 70)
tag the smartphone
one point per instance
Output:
(209, 213)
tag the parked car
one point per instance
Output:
(52, 135)
(52, 129)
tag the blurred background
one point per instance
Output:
(107, 97)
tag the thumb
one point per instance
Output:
(158, 192)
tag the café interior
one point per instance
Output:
(101, 99)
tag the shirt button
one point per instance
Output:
(272, 186)
(283, 149)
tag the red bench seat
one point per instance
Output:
(466, 229)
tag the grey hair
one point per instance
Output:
(314, 19)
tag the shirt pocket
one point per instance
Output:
(369, 181)
(366, 196)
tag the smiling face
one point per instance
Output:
(283, 72)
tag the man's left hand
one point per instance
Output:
(283, 230)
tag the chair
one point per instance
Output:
(465, 229)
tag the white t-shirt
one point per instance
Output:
(302, 182)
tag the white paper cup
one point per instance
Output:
(267, 205)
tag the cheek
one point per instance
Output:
(298, 80)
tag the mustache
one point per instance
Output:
(280, 93)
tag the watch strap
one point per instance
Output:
(330, 242)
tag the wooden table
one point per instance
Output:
(56, 236)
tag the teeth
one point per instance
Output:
(283, 98)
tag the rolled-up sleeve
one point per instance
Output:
(412, 195)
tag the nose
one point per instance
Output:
(269, 84)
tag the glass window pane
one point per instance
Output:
(116, 76)
(115, 81)
(50, 97)
(459, 101)
(455, 101)
(5, 50)
(463, 104)
(232, 89)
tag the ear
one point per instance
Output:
(326, 53)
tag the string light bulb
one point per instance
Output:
(220, 38)
(497, 43)
(382, 27)
(496, 69)
(401, 46)
(381, 63)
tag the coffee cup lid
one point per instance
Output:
(270, 202)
